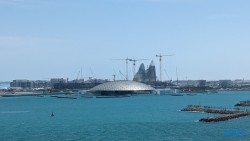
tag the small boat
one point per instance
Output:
(176, 94)
(66, 97)
(191, 94)
(119, 96)
(63, 97)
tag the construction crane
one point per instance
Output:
(127, 59)
(160, 59)
(79, 75)
(177, 77)
(122, 74)
(113, 76)
(135, 60)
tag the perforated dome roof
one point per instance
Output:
(122, 85)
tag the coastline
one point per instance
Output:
(17, 94)
(4, 93)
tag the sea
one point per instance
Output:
(4, 85)
(135, 118)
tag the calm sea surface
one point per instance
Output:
(152, 118)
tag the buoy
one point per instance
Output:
(52, 114)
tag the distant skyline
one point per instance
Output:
(43, 39)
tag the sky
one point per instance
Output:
(43, 39)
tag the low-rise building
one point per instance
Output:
(225, 83)
(54, 81)
(25, 84)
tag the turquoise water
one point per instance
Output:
(4, 85)
(142, 118)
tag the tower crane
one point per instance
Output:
(127, 59)
(114, 77)
(135, 60)
(160, 59)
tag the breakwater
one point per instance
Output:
(224, 117)
(227, 113)
(243, 103)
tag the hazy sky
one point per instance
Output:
(41, 39)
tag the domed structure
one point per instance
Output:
(121, 88)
